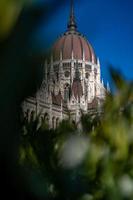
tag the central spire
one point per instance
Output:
(72, 26)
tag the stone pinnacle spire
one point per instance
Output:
(72, 26)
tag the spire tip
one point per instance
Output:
(72, 26)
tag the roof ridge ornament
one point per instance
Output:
(72, 26)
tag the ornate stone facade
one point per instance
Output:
(72, 80)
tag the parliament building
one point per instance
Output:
(71, 82)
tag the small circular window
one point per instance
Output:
(67, 74)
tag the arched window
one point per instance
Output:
(27, 114)
(46, 118)
(87, 75)
(53, 122)
(57, 122)
(73, 122)
(57, 76)
(95, 72)
(95, 90)
(32, 115)
(88, 67)
(66, 91)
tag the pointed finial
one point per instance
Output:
(83, 55)
(93, 59)
(72, 56)
(98, 62)
(72, 24)
(102, 82)
(61, 55)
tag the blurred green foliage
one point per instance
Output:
(9, 12)
(106, 169)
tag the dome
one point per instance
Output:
(73, 41)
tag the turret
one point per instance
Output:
(45, 70)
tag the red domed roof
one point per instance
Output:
(73, 41)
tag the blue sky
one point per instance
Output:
(108, 26)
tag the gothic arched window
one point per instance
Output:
(53, 122)
(57, 122)
(66, 91)
(46, 118)
(27, 114)
(57, 76)
(87, 75)
(32, 115)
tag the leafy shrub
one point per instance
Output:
(96, 163)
